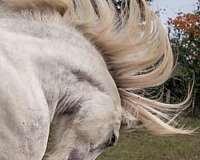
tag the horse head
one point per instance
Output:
(124, 52)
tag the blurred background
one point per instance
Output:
(181, 18)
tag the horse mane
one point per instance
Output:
(135, 47)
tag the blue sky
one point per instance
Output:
(173, 7)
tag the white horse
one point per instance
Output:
(68, 72)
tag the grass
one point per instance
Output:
(144, 146)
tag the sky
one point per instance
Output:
(173, 7)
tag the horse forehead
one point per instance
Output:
(102, 115)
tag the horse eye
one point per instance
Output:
(111, 142)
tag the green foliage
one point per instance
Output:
(185, 40)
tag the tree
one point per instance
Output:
(185, 40)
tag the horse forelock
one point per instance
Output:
(135, 47)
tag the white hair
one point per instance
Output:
(135, 47)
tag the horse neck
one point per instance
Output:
(67, 58)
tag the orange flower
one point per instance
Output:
(188, 23)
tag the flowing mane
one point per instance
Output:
(135, 47)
